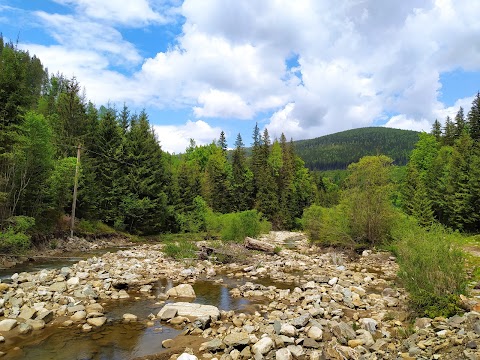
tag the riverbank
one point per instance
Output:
(308, 304)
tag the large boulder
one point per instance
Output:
(182, 291)
(191, 310)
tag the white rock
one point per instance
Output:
(186, 356)
(7, 324)
(192, 310)
(182, 290)
(332, 281)
(288, 330)
(315, 333)
(283, 354)
(263, 346)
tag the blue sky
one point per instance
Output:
(305, 68)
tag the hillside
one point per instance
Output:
(337, 151)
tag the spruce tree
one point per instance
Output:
(459, 123)
(474, 118)
(242, 178)
(437, 130)
(449, 132)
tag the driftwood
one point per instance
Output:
(258, 245)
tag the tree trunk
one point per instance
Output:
(258, 245)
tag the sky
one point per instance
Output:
(306, 68)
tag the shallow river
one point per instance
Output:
(116, 340)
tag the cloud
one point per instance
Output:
(74, 33)
(129, 13)
(175, 139)
(217, 103)
(359, 62)
(403, 122)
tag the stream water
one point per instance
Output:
(116, 340)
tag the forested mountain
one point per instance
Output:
(337, 151)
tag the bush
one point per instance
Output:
(14, 238)
(90, 227)
(432, 268)
(327, 226)
(236, 226)
(180, 249)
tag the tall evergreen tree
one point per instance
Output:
(459, 123)
(449, 132)
(222, 142)
(474, 118)
(437, 130)
(242, 178)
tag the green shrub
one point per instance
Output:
(14, 238)
(93, 227)
(180, 249)
(236, 226)
(327, 226)
(432, 268)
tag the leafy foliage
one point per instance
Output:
(432, 268)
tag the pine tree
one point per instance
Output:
(437, 130)
(474, 118)
(222, 142)
(242, 178)
(449, 132)
(145, 206)
(217, 184)
(459, 123)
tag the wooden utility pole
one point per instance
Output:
(74, 201)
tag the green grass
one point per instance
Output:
(431, 267)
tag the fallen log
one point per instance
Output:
(254, 244)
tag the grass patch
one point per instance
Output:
(180, 250)
(90, 227)
(432, 267)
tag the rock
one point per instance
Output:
(86, 327)
(343, 332)
(45, 315)
(59, 287)
(332, 281)
(315, 355)
(178, 320)
(93, 308)
(24, 328)
(192, 310)
(263, 346)
(74, 309)
(129, 317)
(296, 350)
(146, 288)
(168, 343)
(36, 324)
(182, 291)
(471, 345)
(368, 324)
(310, 344)
(283, 354)
(186, 356)
(202, 322)
(237, 339)
(78, 316)
(27, 313)
(73, 281)
(288, 330)
(214, 345)
(97, 321)
(315, 333)
(7, 324)
(4, 287)
(167, 314)
(301, 321)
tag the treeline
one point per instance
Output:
(443, 175)
(337, 151)
(126, 180)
